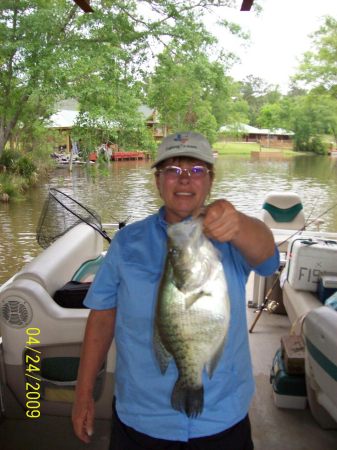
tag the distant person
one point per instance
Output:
(122, 299)
(75, 148)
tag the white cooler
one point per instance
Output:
(308, 259)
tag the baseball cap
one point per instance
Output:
(188, 143)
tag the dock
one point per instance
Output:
(266, 155)
(117, 156)
(120, 155)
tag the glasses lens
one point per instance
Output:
(172, 171)
(198, 171)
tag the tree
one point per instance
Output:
(191, 90)
(50, 50)
(318, 72)
(318, 68)
(312, 116)
(183, 89)
(256, 92)
(269, 116)
(27, 56)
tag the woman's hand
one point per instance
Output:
(222, 221)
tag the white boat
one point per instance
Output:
(41, 342)
(310, 258)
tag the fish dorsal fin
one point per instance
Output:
(211, 366)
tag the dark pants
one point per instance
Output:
(237, 437)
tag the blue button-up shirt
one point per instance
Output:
(128, 280)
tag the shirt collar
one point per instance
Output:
(161, 218)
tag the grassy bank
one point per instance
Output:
(245, 148)
(20, 171)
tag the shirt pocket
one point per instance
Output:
(137, 294)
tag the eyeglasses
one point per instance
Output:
(173, 172)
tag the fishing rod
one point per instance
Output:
(264, 304)
(307, 223)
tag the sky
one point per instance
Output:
(279, 37)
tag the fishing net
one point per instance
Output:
(60, 213)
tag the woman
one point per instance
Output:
(122, 300)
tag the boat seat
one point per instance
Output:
(298, 303)
(283, 210)
(54, 267)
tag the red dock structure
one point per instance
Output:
(116, 156)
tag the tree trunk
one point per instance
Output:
(7, 129)
(3, 139)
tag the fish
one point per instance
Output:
(192, 313)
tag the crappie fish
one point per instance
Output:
(192, 313)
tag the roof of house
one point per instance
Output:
(67, 114)
(63, 119)
(146, 111)
(248, 129)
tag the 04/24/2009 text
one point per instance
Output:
(32, 372)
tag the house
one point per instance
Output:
(68, 110)
(151, 117)
(63, 121)
(242, 132)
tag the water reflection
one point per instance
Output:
(127, 188)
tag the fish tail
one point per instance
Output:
(188, 399)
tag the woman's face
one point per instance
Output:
(184, 194)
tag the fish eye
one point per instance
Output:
(173, 251)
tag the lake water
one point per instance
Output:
(126, 190)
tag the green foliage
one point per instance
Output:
(40, 156)
(12, 185)
(28, 55)
(311, 116)
(189, 91)
(51, 50)
(129, 132)
(269, 116)
(316, 111)
(317, 146)
(257, 93)
(9, 159)
(19, 164)
(207, 125)
(25, 167)
(318, 67)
